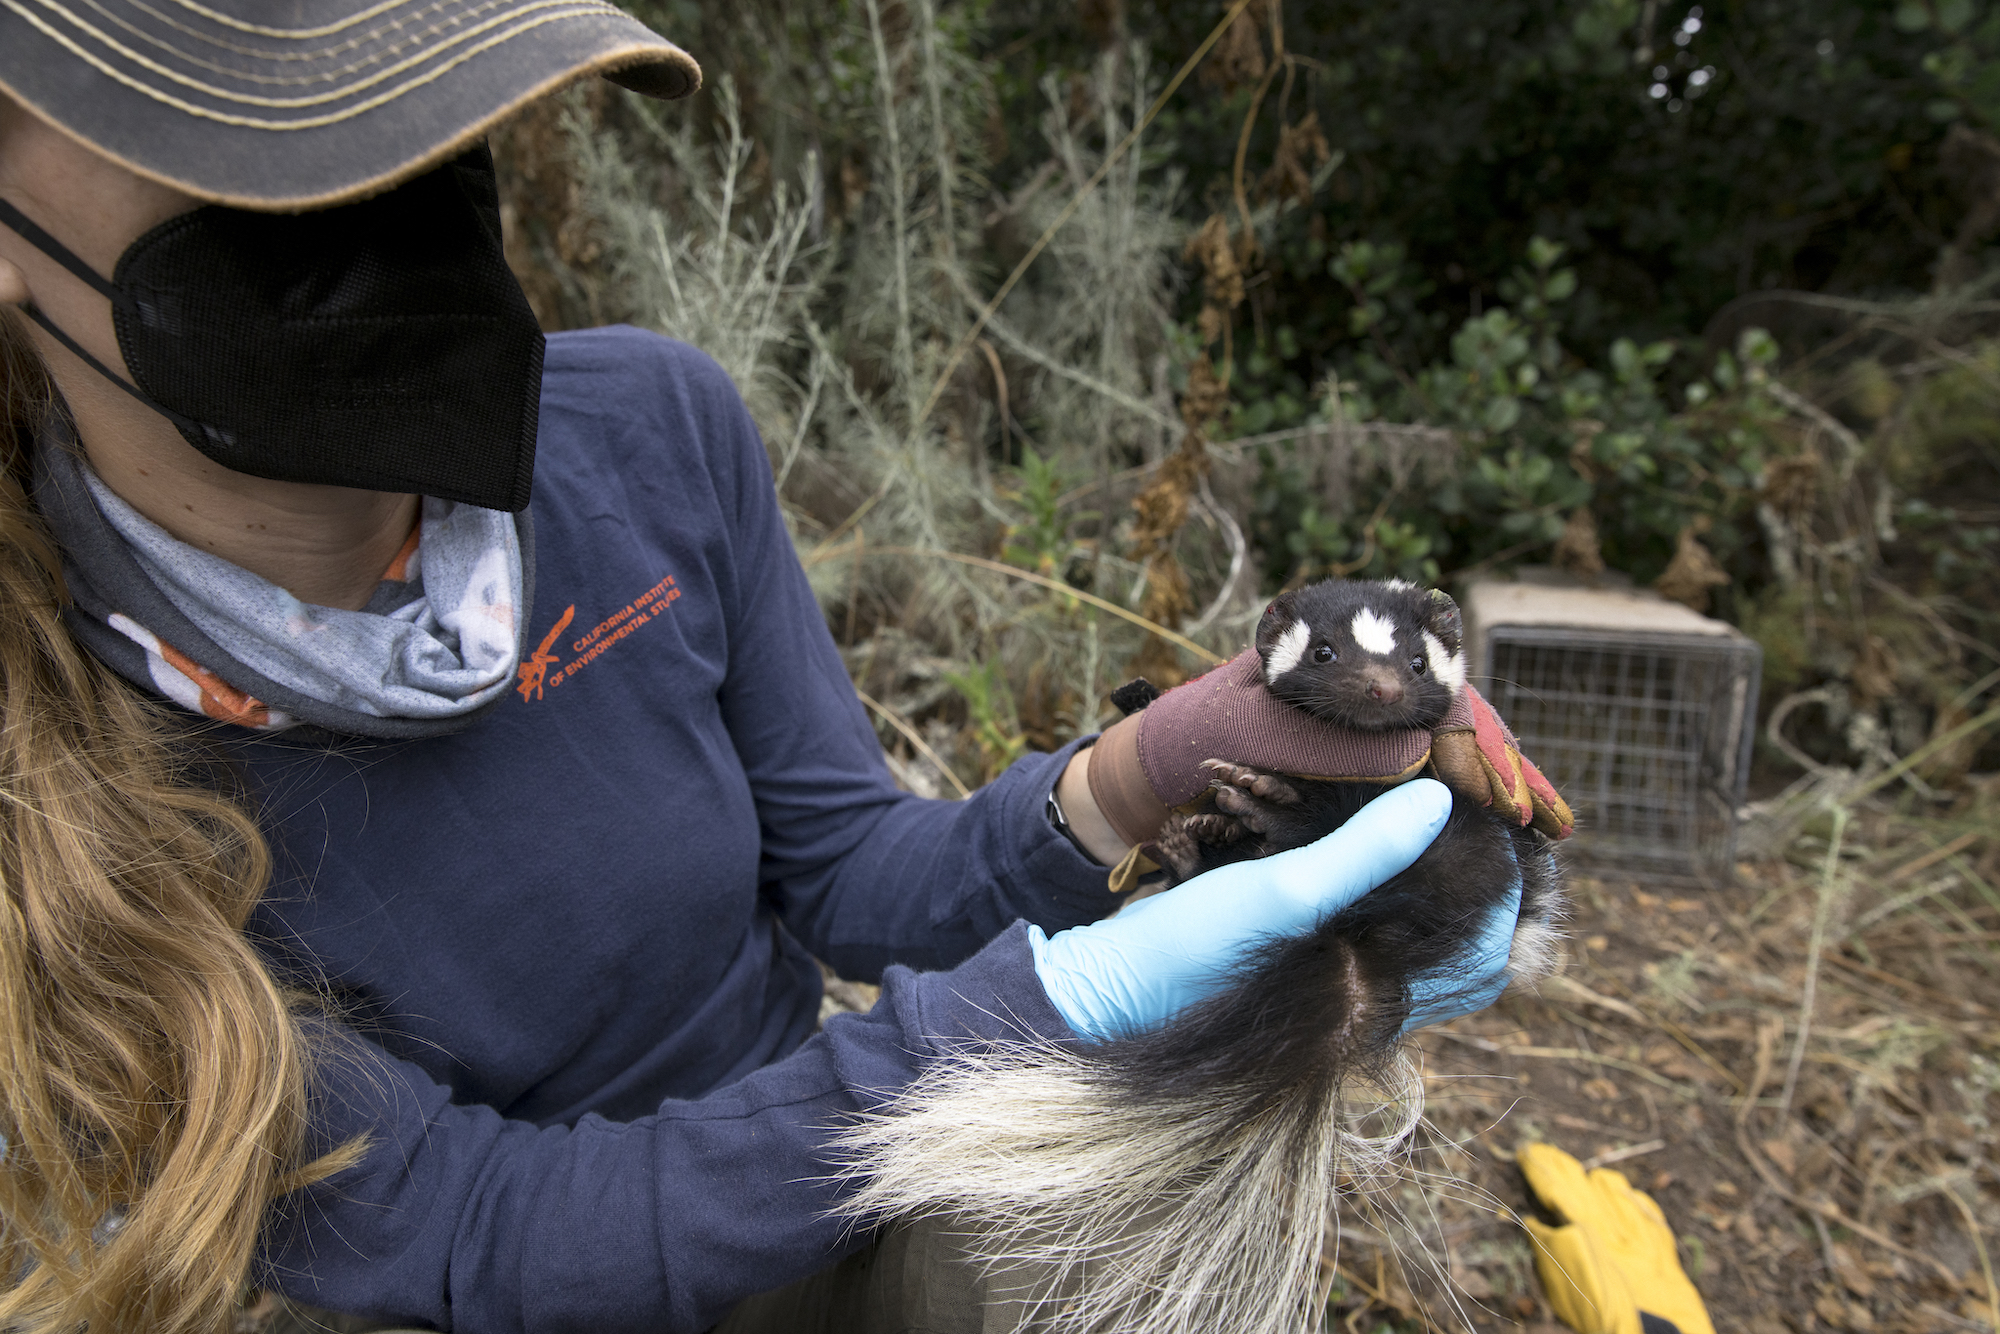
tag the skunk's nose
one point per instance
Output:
(1383, 687)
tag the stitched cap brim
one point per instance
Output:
(347, 99)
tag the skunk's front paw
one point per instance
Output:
(1235, 779)
(1278, 812)
(1187, 843)
(1260, 802)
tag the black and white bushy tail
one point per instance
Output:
(1188, 1181)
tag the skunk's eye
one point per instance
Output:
(1324, 653)
(1417, 666)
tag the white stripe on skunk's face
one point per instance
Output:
(1447, 668)
(1373, 634)
(1285, 654)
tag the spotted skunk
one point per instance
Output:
(1371, 656)
(1189, 1179)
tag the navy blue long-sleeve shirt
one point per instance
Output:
(574, 939)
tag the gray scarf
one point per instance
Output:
(437, 644)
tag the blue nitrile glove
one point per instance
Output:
(1436, 998)
(1135, 971)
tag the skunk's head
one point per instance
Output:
(1373, 655)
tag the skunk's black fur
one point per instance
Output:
(1307, 1013)
(1189, 1179)
(1372, 656)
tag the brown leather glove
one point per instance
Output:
(1150, 763)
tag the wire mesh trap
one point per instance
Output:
(1645, 731)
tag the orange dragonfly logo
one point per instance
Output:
(535, 669)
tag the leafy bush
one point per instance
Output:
(1546, 446)
(1415, 290)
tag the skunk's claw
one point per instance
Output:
(1215, 829)
(1246, 810)
(1255, 814)
(1262, 803)
(1265, 786)
(1175, 850)
(1183, 844)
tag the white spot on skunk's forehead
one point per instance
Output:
(1446, 668)
(1399, 585)
(1285, 654)
(1374, 634)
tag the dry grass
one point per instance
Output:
(1847, 1181)
(1800, 1066)
(1860, 1193)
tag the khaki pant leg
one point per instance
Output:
(914, 1279)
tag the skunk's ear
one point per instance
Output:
(1443, 620)
(1277, 619)
(1281, 611)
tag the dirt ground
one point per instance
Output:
(1849, 1183)
(1857, 1190)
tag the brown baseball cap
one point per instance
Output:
(285, 105)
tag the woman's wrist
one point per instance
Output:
(1120, 787)
(1092, 831)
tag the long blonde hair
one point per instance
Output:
(152, 1073)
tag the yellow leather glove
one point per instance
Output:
(1611, 1267)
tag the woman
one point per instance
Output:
(456, 969)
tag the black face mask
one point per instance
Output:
(383, 345)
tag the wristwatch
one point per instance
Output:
(1053, 809)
